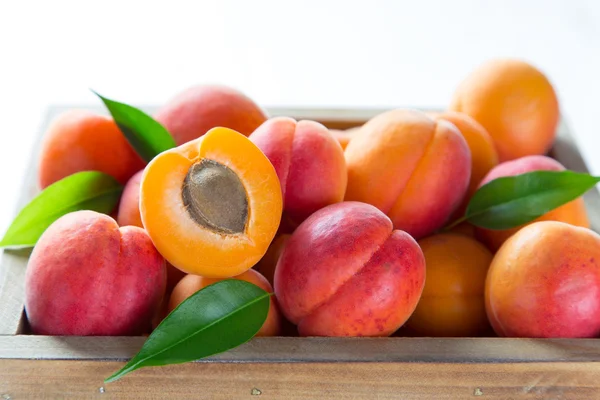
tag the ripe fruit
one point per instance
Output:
(452, 302)
(545, 282)
(87, 276)
(514, 102)
(346, 272)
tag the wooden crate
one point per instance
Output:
(291, 367)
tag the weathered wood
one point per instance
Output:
(84, 380)
(315, 349)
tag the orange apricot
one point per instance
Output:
(411, 167)
(484, 156)
(80, 140)
(515, 103)
(213, 205)
(191, 113)
(452, 303)
(190, 284)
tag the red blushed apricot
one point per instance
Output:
(79, 140)
(190, 284)
(213, 205)
(414, 169)
(198, 109)
(87, 276)
(544, 282)
(129, 205)
(573, 212)
(346, 272)
(309, 163)
(266, 265)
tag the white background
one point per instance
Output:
(310, 53)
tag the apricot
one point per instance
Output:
(544, 282)
(190, 284)
(344, 135)
(266, 265)
(411, 167)
(452, 303)
(484, 156)
(309, 163)
(213, 205)
(129, 204)
(193, 112)
(87, 276)
(80, 140)
(515, 102)
(346, 272)
(573, 212)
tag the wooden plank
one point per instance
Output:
(84, 380)
(320, 349)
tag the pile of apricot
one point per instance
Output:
(346, 228)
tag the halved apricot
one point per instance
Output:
(213, 205)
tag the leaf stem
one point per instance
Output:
(455, 223)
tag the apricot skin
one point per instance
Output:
(129, 205)
(79, 140)
(190, 284)
(544, 282)
(452, 303)
(346, 272)
(87, 276)
(266, 265)
(573, 212)
(309, 162)
(411, 167)
(196, 110)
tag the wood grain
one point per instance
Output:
(321, 349)
(84, 380)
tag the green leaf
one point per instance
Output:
(509, 202)
(88, 190)
(146, 135)
(215, 319)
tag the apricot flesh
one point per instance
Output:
(213, 205)
(346, 272)
(87, 276)
(544, 282)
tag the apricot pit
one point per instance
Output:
(215, 197)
